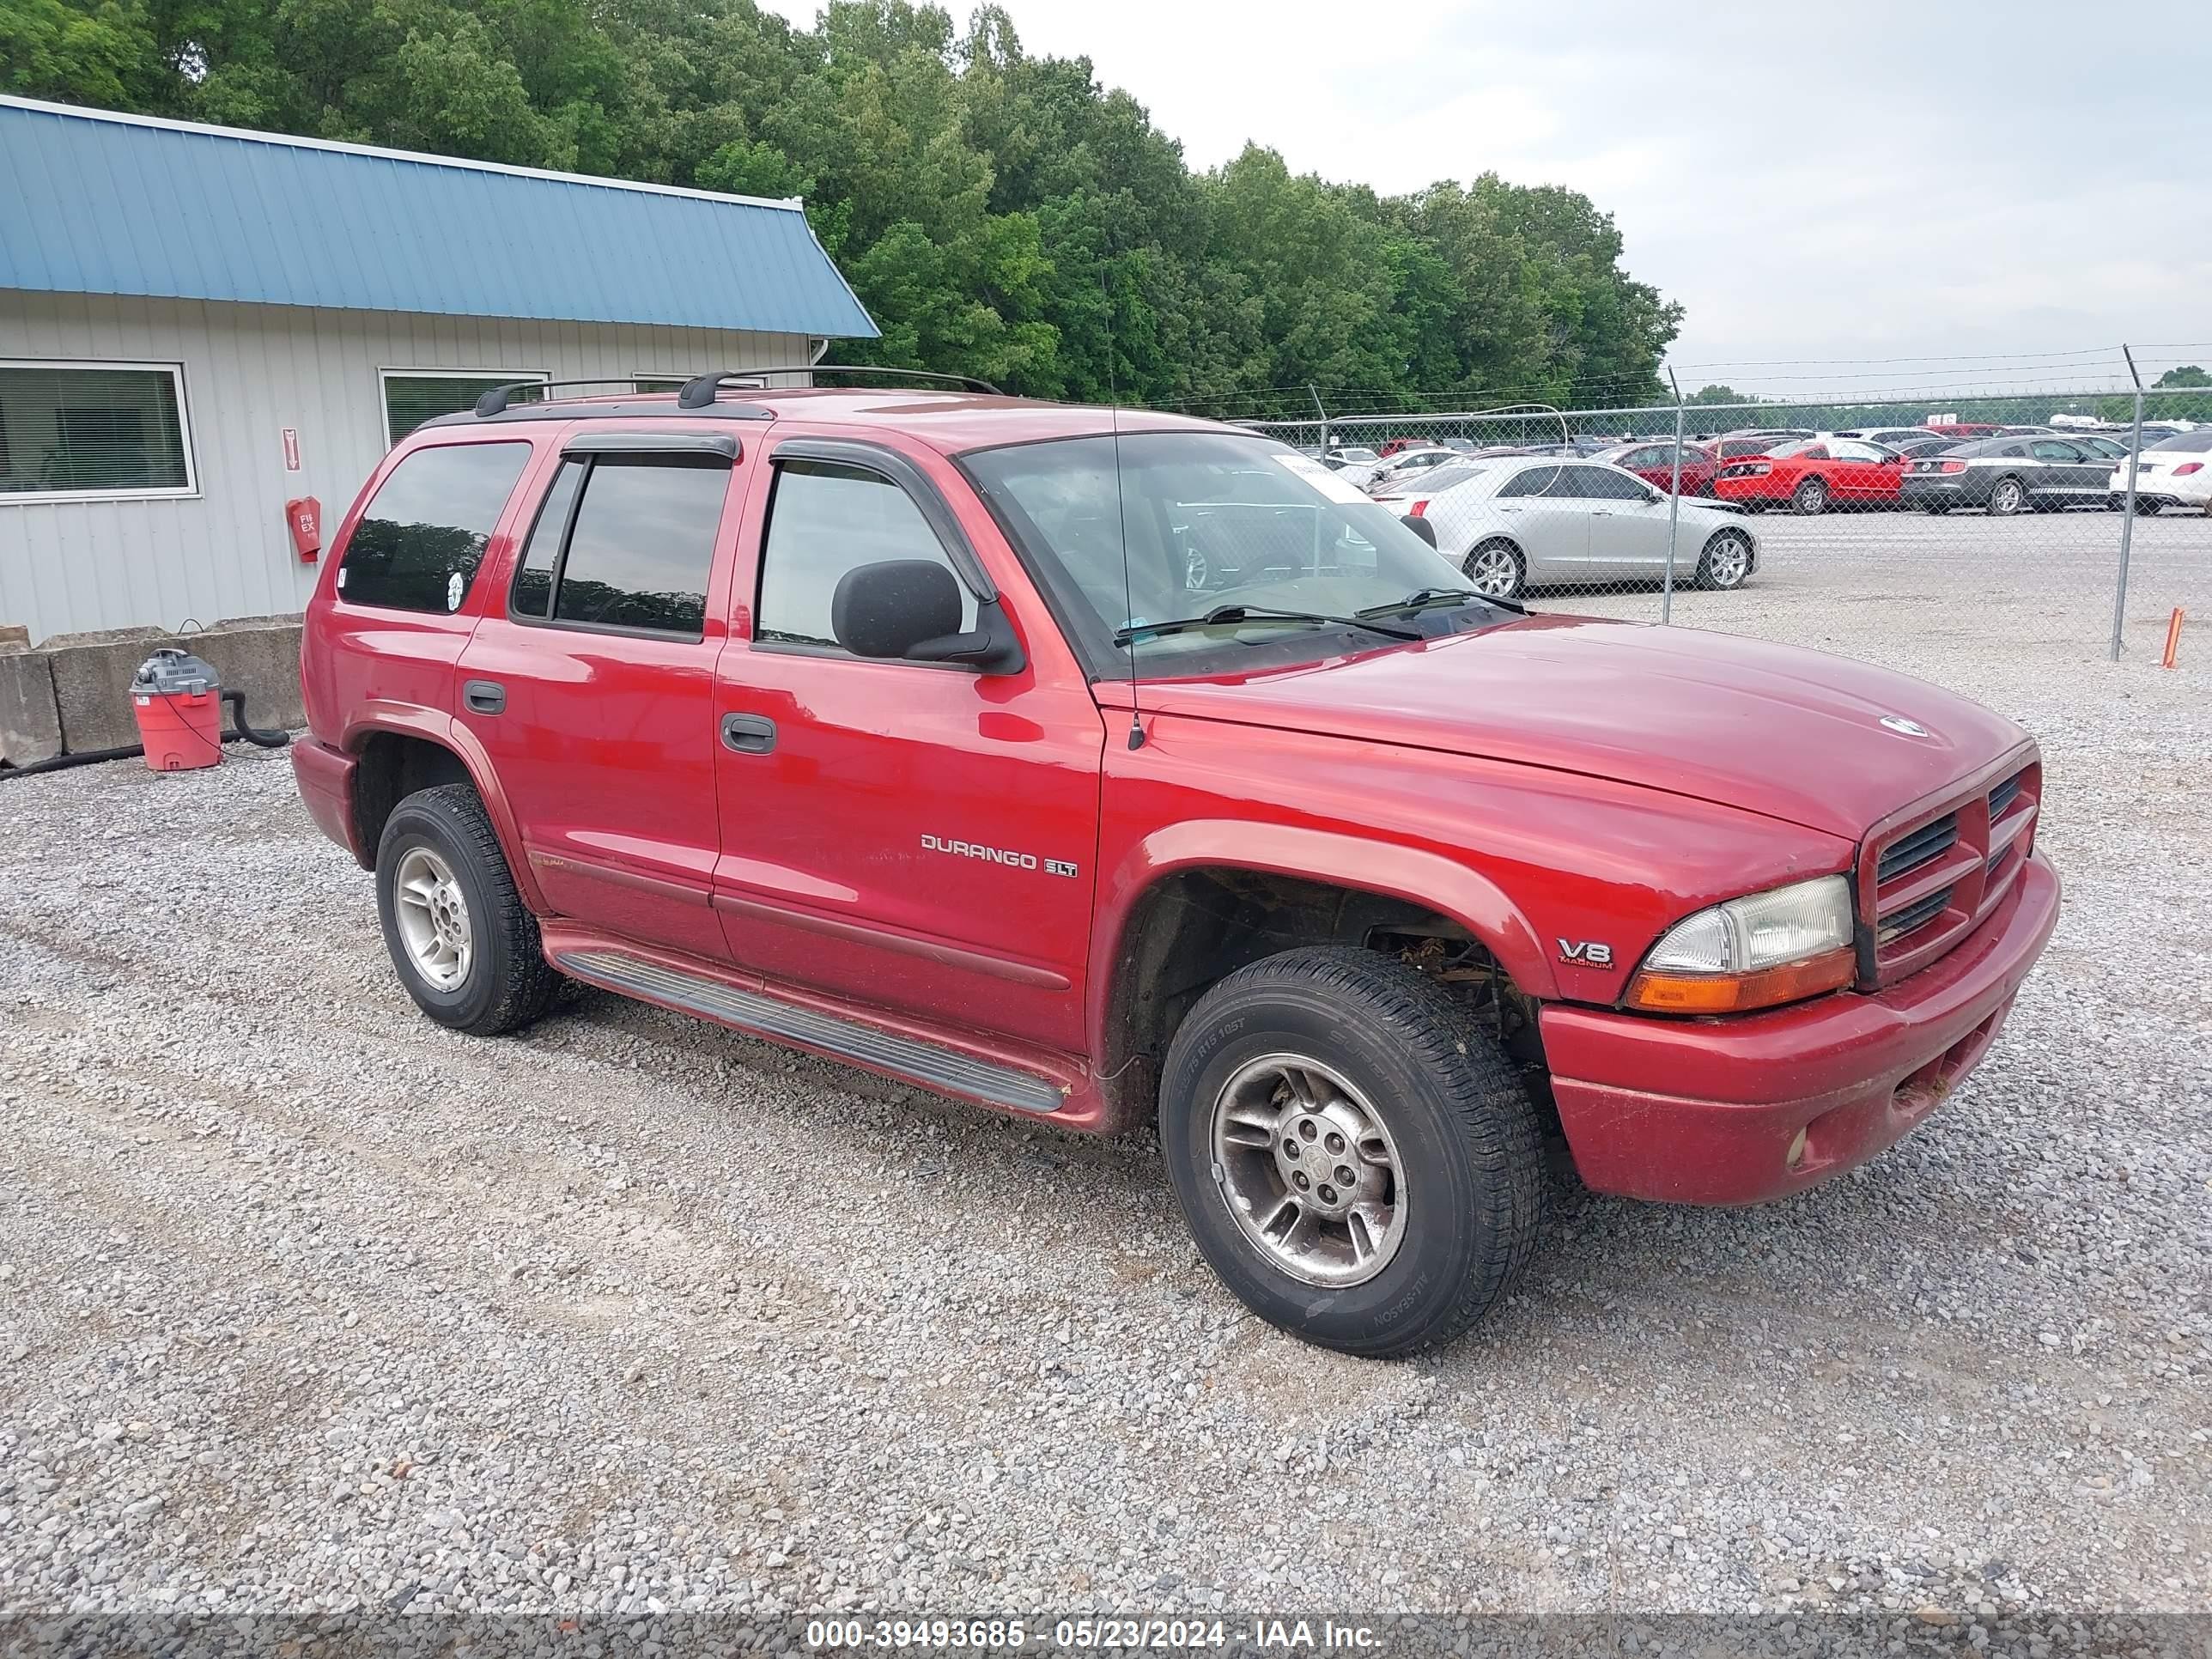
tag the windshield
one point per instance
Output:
(2199, 442)
(1211, 521)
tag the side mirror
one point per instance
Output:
(1420, 527)
(908, 611)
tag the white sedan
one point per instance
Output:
(1522, 521)
(2176, 471)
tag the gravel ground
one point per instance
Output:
(307, 1304)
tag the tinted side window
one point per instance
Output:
(532, 593)
(418, 544)
(824, 521)
(642, 544)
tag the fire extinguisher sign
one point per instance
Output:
(291, 449)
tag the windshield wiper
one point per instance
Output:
(1224, 614)
(1428, 598)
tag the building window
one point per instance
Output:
(653, 383)
(412, 396)
(69, 430)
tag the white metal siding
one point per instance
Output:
(249, 372)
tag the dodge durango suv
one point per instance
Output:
(1112, 768)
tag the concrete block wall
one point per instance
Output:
(70, 694)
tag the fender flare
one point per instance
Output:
(400, 719)
(1427, 879)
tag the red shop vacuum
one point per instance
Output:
(179, 703)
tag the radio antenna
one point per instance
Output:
(1122, 518)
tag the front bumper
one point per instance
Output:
(1852, 1072)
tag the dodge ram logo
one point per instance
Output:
(1905, 727)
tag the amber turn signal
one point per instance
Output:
(1662, 992)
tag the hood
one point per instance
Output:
(1775, 729)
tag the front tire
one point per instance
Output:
(1496, 569)
(1725, 565)
(1355, 1156)
(466, 947)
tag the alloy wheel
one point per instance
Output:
(1309, 1170)
(1494, 572)
(432, 917)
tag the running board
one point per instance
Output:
(772, 1017)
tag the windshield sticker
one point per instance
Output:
(1321, 478)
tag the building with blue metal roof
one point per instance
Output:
(198, 325)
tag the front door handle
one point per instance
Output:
(484, 696)
(748, 735)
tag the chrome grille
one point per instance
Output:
(1911, 852)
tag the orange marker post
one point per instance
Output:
(2172, 639)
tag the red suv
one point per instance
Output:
(1114, 770)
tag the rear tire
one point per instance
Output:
(1496, 569)
(1335, 1061)
(2006, 497)
(2145, 509)
(466, 947)
(1810, 497)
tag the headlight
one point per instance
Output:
(1753, 952)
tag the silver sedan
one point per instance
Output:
(1525, 522)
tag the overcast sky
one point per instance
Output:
(1898, 181)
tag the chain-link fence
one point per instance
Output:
(2002, 513)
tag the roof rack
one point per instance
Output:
(495, 401)
(697, 394)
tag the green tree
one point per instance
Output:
(999, 213)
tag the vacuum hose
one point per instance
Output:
(260, 739)
(236, 700)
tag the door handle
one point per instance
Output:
(1600, 513)
(748, 735)
(484, 696)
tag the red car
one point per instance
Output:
(1654, 463)
(856, 723)
(1813, 475)
(1390, 446)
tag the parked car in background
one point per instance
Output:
(1964, 428)
(1349, 455)
(1812, 475)
(1891, 437)
(1929, 446)
(2006, 475)
(1403, 465)
(2175, 471)
(2098, 444)
(1525, 521)
(1734, 446)
(1390, 446)
(1410, 496)
(1654, 463)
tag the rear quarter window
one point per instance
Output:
(418, 544)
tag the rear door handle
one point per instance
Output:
(748, 735)
(484, 696)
